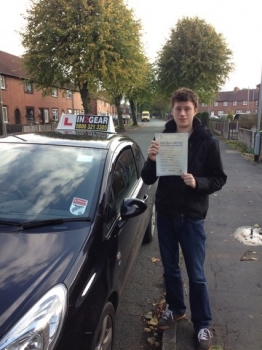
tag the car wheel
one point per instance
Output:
(150, 231)
(106, 329)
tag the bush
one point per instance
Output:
(247, 121)
(204, 117)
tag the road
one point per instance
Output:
(145, 285)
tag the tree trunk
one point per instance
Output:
(133, 111)
(85, 96)
(118, 100)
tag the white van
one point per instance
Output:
(145, 117)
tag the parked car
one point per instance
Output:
(73, 214)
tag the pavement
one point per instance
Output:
(233, 263)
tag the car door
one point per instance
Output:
(125, 183)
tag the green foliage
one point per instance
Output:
(194, 56)
(247, 121)
(198, 115)
(82, 44)
(205, 117)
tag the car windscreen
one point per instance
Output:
(41, 182)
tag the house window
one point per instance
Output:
(54, 92)
(244, 103)
(69, 111)
(234, 103)
(2, 82)
(69, 94)
(30, 114)
(55, 114)
(5, 117)
(225, 103)
(220, 112)
(82, 111)
(215, 103)
(204, 105)
(28, 87)
(76, 111)
(239, 111)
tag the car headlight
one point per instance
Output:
(39, 328)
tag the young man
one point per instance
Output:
(181, 205)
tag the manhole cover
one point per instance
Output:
(249, 235)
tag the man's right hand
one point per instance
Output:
(153, 150)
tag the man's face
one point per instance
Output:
(183, 113)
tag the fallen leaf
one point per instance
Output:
(151, 340)
(153, 321)
(149, 315)
(147, 330)
(155, 260)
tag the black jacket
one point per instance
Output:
(173, 197)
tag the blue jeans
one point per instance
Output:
(190, 235)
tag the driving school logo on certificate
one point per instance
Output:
(172, 156)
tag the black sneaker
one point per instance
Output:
(204, 339)
(167, 319)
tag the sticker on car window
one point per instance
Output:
(78, 206)
(84, 158)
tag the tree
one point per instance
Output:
(195, 56)
(73, 44)
(142, 90)
(130, 69)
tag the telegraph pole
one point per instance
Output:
(258, 136)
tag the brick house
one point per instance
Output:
(22, 103)
(237, 101)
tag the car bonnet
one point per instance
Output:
(31, 264)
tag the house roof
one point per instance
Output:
(11, 65)
(238, 95)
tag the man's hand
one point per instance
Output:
(189, 180)
(153, 150)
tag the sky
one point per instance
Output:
(238, 21)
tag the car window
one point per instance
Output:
(124, 178)
(46, 181)
(140, 160)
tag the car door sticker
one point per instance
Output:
(78, 206)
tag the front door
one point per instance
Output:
(17, 116)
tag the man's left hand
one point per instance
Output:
(189, 180)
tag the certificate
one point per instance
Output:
(172, 156)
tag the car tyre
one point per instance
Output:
(106, 329)
(150, 231)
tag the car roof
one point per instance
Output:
(101, 140)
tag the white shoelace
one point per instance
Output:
(168, 313)
(204, 334)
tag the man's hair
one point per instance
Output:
(184, 94)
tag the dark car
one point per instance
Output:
(73, 214)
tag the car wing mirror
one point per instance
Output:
(132, 207)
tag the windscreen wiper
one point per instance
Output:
(10, 223)
(42, 223)
(50, 222)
